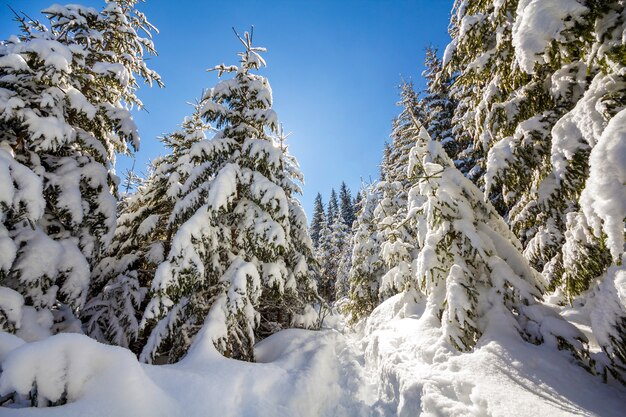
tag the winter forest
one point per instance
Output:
(480, 273)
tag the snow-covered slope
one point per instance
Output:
(299, 373)
(419, 374)
(393, 364)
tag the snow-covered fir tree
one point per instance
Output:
(480, 60)
(241, 258)
(347, 209)
(552, 82)
(396, 239)
(436, 103)
(342, 282)
(318, 220)
(334, 238)
(65, 96)
(367, 267)
(470, 265)
(141, 241)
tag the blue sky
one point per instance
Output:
(334, 67)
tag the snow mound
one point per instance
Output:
(419, 374)
(396, 364)
(94, 379)
(300, 373)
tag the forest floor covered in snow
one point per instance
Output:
(394, 364)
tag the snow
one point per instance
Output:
(107, 379)
(300, 373)
(11, 303)
(53, 130)
(421, 375)
(395, 363)
(8, 342)
(52, 53)
(29, 186)
(604, 198)
(538, 23)
(14, 61)
(608, 304)
(223, 189)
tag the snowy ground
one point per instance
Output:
(393, 365)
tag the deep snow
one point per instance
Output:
(393, 364)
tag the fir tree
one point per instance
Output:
(241, 258)
(65, 98)
(385, 162)
(356, 203)
(141, 241)
(470, 266)
(480, 60)
(317, 220)
(346, 206)
(438, 107)
(396, 240)
(342, 282)
(333, 207)
(531, 99)
(334, 238)
(367, 267)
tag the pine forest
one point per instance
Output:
(471, 261)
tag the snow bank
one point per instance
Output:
(300, 373)
(95, 379)
(396, 364)
(419, 374)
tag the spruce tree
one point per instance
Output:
(317, 220)
(346, 206)
(334, 238)
(241, 260)
(397, 241)
(333, 207)
(539, 102)
(479, 58)
(367, 268)
(438, 106)
(470, 266)
(65, 98)
(142, 240)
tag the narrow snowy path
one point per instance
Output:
(332, 365)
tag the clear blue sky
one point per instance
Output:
(334, 67)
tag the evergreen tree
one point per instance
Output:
(356, 203)
(346, 206)
(241, 259)
(480, 60)
(396, 240)
(141, 241)
(333, 207)
(65, 98)
(132, 182)
(538, 102)
(438, 107)
(470, 266)
(342, 282)
(317, 220)
(385, 162)
(367, 267)
(334, 238)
